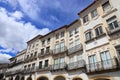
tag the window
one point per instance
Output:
(106, 59)
(56, 48)
(46, 63)
(106, 6)
(62, 46)
(29, 67)
(62, 62)
(42, 51)
(29, 47)
(27, 56)
(62, 34)
(57, 36)
(37, 44)
(33, 45)
(25, 67)
(92, 59)
(94, 13)
(55, 61)
(76, 30)
(92, 62)
(70, 33)
(85, 19)
(98, 31)
(35, 53)
(47, 49)
(40, 65)
(88, 36)
(43, 42)
(32, 55)
(33, 66)
(48, 41)
(112, 23)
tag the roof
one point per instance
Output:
(36, 37)
(65, 26)
(87, 7)
(21, 52)
(73, 22)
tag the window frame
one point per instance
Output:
(85, 19)
(88, 35)
(107, 3)
(94, 13)
(99, 31)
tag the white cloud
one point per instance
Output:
(13, 33)
(18, 15)
(4, 58)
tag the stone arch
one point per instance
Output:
(22, 78)
(43, 78)
(17, 77)
(11, 78)
(101, 78)
(59, 78)
(29, 78)
(77, 78)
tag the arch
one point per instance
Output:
(11, 78)
(17, 77)
(42, 78)
(22, 78)
(77, 78)
(29, 78)
(101, 78)
(59, 78)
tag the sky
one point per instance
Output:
(21, 20)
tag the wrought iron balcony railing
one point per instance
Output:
(102, 66)
(44, 53)
(33, 57)
(59, 66)
(76, 65)
(113, 30)
(60, 50)
(27, 59)
(74, 49)
(29, 70)
(43, 68)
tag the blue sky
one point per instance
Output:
(21, 20)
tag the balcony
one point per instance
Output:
(43, 68)
(29, 70)
(102, 66)
(33, 57)
(60, 50)
(45, 53)
(27, 59)
(59, 66)
(114, 30)
(19, 62)
(8, 73)
(18, 71)
(76, 65)
(74, 49)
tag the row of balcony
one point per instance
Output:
(97, 67)
(61, 50)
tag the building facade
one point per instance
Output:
(86, 49)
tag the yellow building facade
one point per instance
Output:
(86, 49)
